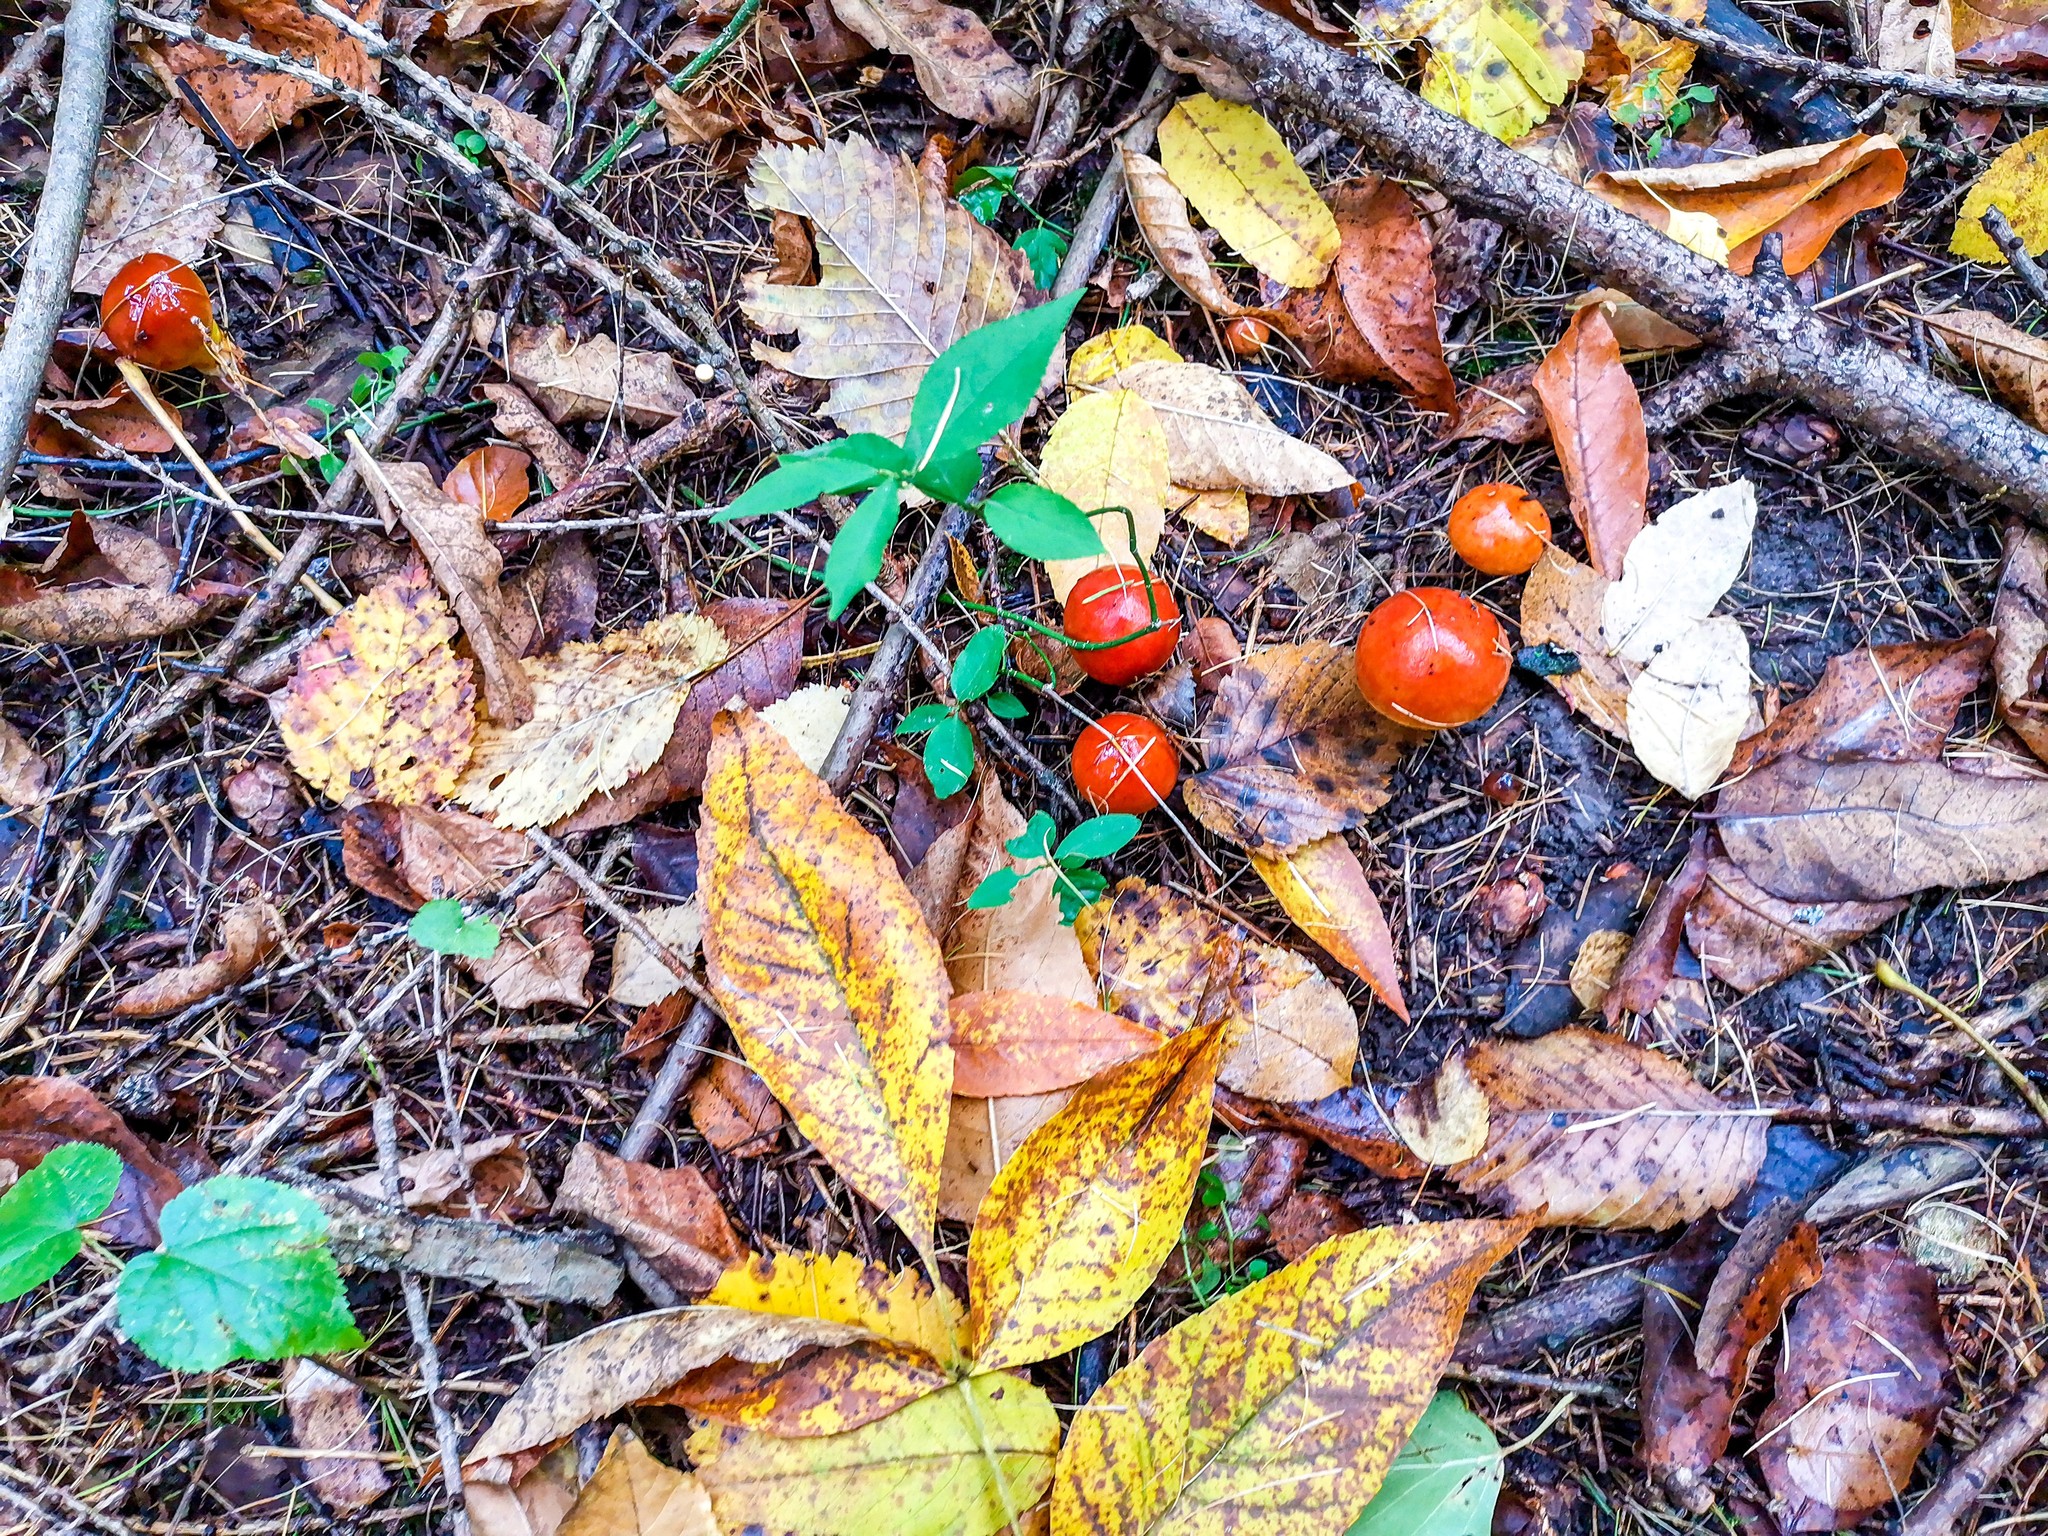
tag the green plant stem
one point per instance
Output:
(677, 82)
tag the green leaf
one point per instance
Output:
(923, 718)
(982, 188)
(985, 381)
(1034, 841)
(1006, 705)
(244, 1273)
(1445, 1482)
(995, 889)
(40, 1216)
(1077, 887)
(1039, 523)
(441, 927)
(1044, 248)
(951, 477)
(856, 557)
(1097, 838)
(798, 482)
(979, 664)
(869, 448)
(949, 756)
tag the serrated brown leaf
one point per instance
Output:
(1008, 1043)
(1596, 423)
(958, 62)
(587, 380)
(155, 187)
(1384, 274)
(1292, 752)
(671, 1216)
(249, 934)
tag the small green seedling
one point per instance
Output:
(1211, 1280)
(1073, 881)
(377, 382)
(1671, 114)
(980, 385)
(441, 927)
(948, 743)
(982, 191)
(472, 144)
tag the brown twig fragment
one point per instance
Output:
(2025, 1422)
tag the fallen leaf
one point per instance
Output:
(962, 1461)
(1218, 439)
(639, 975)
(587, 380)
(1636, 66)
(1007, 1043)
(901, 1307)
(1384, 274)
(1226, 516)
(1075, 1226)
(517, 417)
(1653, 954)
(493, 479)
(1306, 1219)
(1322, 886)
(733, 1109)
(1804, 193)
(1502, 407)
(1286, 1402)
(448, 852)
(523, 131)
(1677, 569)
(1101, 358)
(810, 720)
(1688, 707)
(104, 585)
(807, 923)
(1649, 1147)
(1446, 1481)
(247, 100)
(1291, 751)
(38, 1114)
(958, 62)
(824, 1390)
(450, 534)
(249, 934)
(156, 187)
(2015, 186)
(25, 774)
(2019, 615)
(1563, 604)
(544, 956)
(1109, 450)
(117, 419)
(1162, 215)
(1350, 1121)
(796, 261)
(1748, 938)
(1636, 328)
(1499, 64)
(536, 1504)
(1254, 1174)
(2012, 362)
(1444, 1119)
(603, 711)
(485, 1180)
(380, 701)
(878, 315)
(1896, 703)
(632, 1494)
(1239, 173)
(330, 1413)
(670, 1216)
(1866, 1373)
(1596, 422)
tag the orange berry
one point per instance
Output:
(1432, 657)
(1499, 529)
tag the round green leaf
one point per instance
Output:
(40, 1216)
(1097, 838)
(441, 927)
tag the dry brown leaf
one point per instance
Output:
(519, 419)
(493, 479)
(1322, 886)
(1748, 938)
(537, 1503)
(958, 62)
(104, 585)
(249, 101)
(2012, 362)
(587, 380)
(544, 956)
(1013, 1043)
(639, 975)
(485, 1180)
(1501, 408)
(466, 18)
(796, 261)
(1218, 439)
(1562, 605)
(521, 129)
(733, 1109)
(670, 1215)
(632, 1494)
(117, 418)
(1162, 215)
(2020, 617)
(1596, 423)
(1384, 274)
(1593, 1130)
(885, 304)
(330, 1413)
(156, 187)
(25, 773)
(249, 934)
(1292, 752)
(38, 1114)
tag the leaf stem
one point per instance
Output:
(1894, 979)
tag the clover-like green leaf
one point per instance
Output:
(441, 927)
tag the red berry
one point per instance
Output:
(1247, 335)
(1432, 657)
(1499, 529)
(1110, 603)
(1125, 763)
(157, 313)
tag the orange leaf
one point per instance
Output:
(493, 479)
(1323, 888)
(1596, 421)
(1384, 273)
(1025, 1042)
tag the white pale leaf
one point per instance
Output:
(1677, 569)
(1690, 705)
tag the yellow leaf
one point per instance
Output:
(1226, 516)
(602, 711)
(816, 1391)
(1241, 176)
(1108, 450)
(382, 693)
(1162, 215)
(821, 959)
(1322, 886)
(839, 1288)
(1079, 1221)
(962, 1462)
(1499, 64)
(1279, 1409)
(632, 1494)
(2017, 183)
(1101, 358)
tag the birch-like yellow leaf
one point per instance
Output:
(1239, 173)
(1323, 888)
(1278, 1410)
(826, 971)
(1108, 451)
(1078, 1222)
(2017, 185)
(1499, 64)
(839, 1288)
(1101, 358)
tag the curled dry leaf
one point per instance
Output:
(669, 1215)
(1292, 752)
(822, 962)
(632, 1494)
(2012, 362)
(1350, 1121)
(1007, 1043)
(156, 187)
(1162, 215)
(1592, 1130)
(881, 311)
(486, 1179)
(67, 428)
(38, 1114)
(380, 701)
(1384, 275)
(248, 101)
(1218, 439)
(1076, 1225)
(1109, 450)
(1596, 423)
(2020, 617)
(1563, 604)
(958, 62)
(1240, 174)
(586, 380)
(493, 479)
(330, 1413)
(249, 934)
(544, 956)
(1285, 1403)
(1866, 1373)
(1322, 886)
(104, 585)
(519, 419)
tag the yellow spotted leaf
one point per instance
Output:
(826, 971)
(2017, 184)
(1078, 1222)
(1101, 358)
(1322, 886)
(824, 1391)
(1499, 64)
(1108, 450)
(1279, 1409)
(962, 1462)
(381, 703)
(1239, 173)
(839, 1288)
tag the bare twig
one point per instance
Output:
(1092, 229)
(677, 1068)
(2008, 240)
(1965, 1482)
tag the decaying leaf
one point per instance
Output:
(380, 701)
(639, 975)
(156, 187)
(1593, 1130)
(25, 774)
(603, 711)
(249, 933)
(903, 272)
(1109, 450)
(103, 585)
(1596, 421)
(2015, 185)
(1563, 604)
(2020, 617)
(1677, 569)
(1282, 1406)
(330, 1413)
(1007, 1043)
(38, 1114)
(1499, 64)
(960, 65)
(632, 1494)
(1076, 1225)
(1162, 214)
(1218, 439)
(1292, 752)
(249, 101)
(1385, 277)
(669, 1215)
(1322, 886)
(2012, 362)
(521, 421)
(901, 1308)
(544, 956)
(1239, 173)
(486, 1180)
(586, 380)
(826, 971)
(733, 1109)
